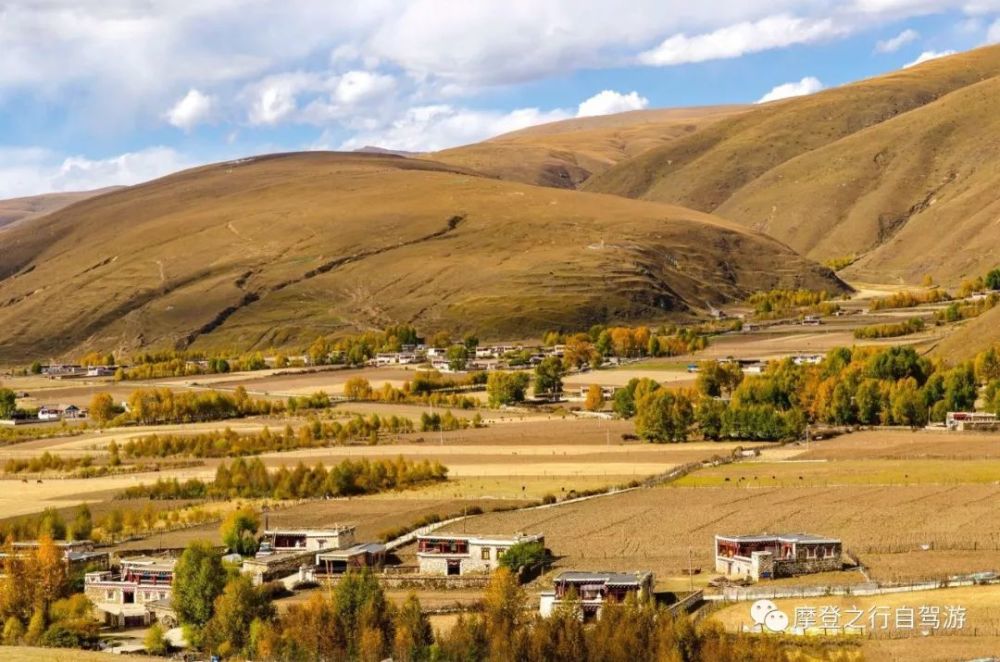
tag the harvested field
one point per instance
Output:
(304, 383)
(845, 472)
(655, 528)
(903, 444)
(930, 649)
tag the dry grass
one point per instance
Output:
(564, 154)
(906, 445)
(304, 244)
(840, 174)
(829, 473)
(29, 654)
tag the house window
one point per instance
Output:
(486, 554)
(110, 595)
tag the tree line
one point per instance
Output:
(251, 479)
(859, 386)
(162, 405)
(227, 443)
(774, 304)
(909, 299)
(227, 615)
(892, 330)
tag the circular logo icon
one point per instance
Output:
(766, 616)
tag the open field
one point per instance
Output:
(904, 444)
(655, 528)
(829, 473)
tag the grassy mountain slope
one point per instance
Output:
(16, 210)
(275, 250)
(878, 168)
(564, 154)
(970, 338)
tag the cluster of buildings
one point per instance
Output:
(138, 590)
(61, 412)
(490, 357)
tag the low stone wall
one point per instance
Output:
(793, 568)
(434, 582)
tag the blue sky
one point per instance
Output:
(120, 91)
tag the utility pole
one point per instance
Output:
(691, 569)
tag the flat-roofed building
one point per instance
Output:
(593, 590)
(123, 598)
(307, 540)
(463, 554)
(356, 557)
(768, 556)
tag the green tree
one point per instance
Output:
(457, 356)
(13, 631)
(993, 279)
(523, 554)
(663, 415)
(505, 388)
(82, 524)
(199, 579)
(868, 401)
(548, 377)
(36, 368)
(8, 403)
(239, 531)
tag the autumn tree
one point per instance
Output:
(227, 632)
(413, 636)
(357, 388)
(504, 615)
(595, 398)
(102, 408)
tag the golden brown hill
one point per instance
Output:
(902, 169)
(276, 250)
(564, 154)
(970, 338)
(15, 210)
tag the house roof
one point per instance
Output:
(481, 538)
(363, 548)
(781, 537)
(600, 577)
(311, 533)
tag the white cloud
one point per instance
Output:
(193, 109)
(894, 44)
(807, 85)
(740, 39)
(927, 56)
(34, 170)
(610, 101)
(275, 98)
(434, 127)
(993, 33)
